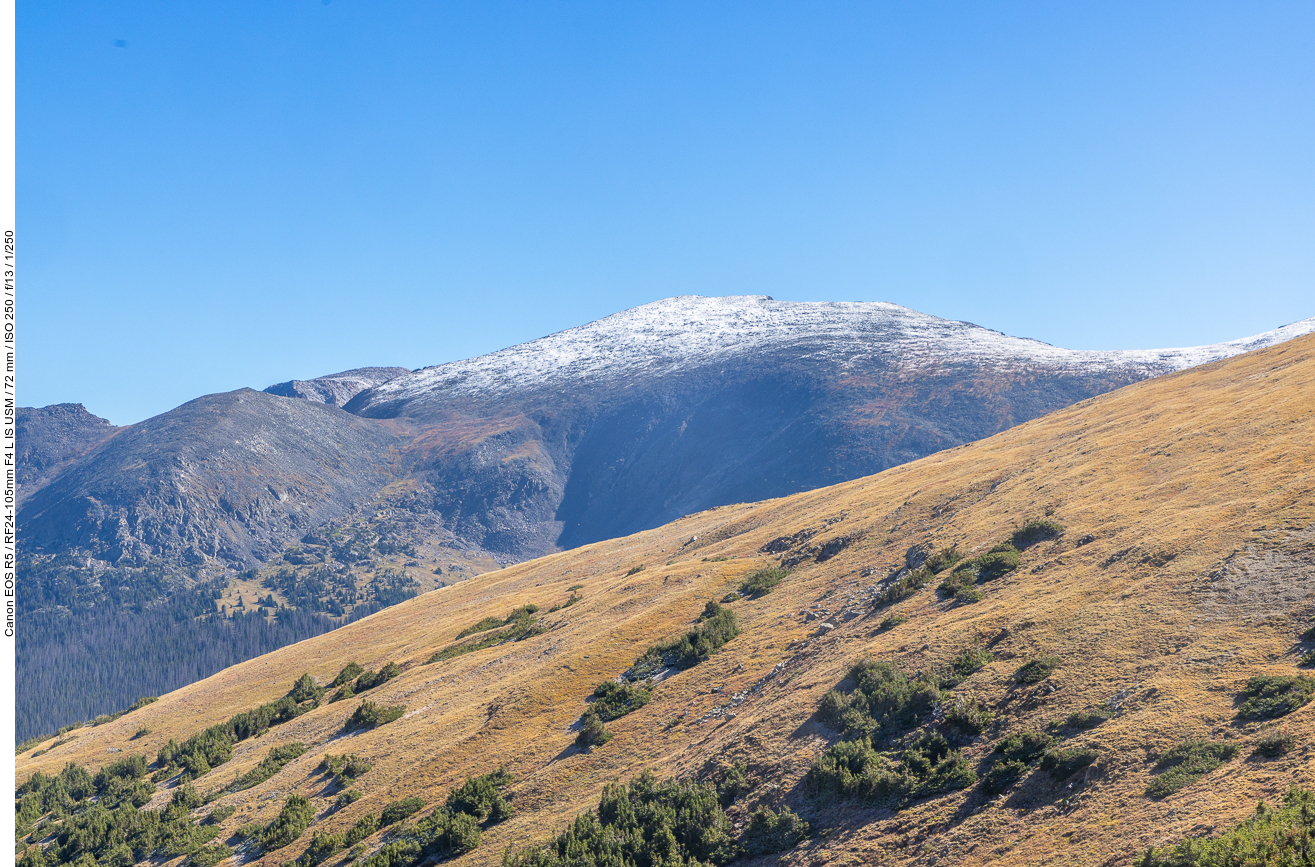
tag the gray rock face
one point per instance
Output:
(49, 437)
(336, 389)
(235, 476)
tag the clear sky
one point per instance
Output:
(222, 194)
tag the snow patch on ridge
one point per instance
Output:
(690, 331)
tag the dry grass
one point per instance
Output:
(1197, 488)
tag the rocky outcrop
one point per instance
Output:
(336, 389)
(49, 437)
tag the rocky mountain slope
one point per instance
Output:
(50, 437)
(234, 476)
(598, 431)
(1106, 658)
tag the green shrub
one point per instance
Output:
(970, 660)
(903, 588)
(446, 832)
(399, 810)
(730, 597)
(1034, 531)
(273, 762)
(1307, 659)
(691, 648)
(350, 672)
(1270, 837)
(760, 582)
(884, 701)
(966, 714)
(635, 570)
(1062, 764)
(306, 689)
(592, 732)
(890, 621)
(347, 798)
(614, 700)
(127, 768)
(642, 823)
(968, 595)
(1036, 670)
(1275, 743)
(481, 797)
(734, 784)
(575, 587)
(943, 559)
(322, 847)
(214, 746)
(854, 770)
(207, 856)
(1002, 775)
(369, 715)
(345, 769)
(220, 813)
(488, 623)
(1187, 763)
(570, 600)
(770, 832)
(289, 825)
(956, 580)
(140, 733)
(996, 563)
(520, 625)
(364, 827)
(1266, 697)
(370, 679)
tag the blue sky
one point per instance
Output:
(216, 195)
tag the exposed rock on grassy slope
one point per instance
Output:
(1185, 569)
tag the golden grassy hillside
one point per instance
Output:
(1186, 566)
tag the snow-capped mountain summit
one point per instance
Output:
(679, 334)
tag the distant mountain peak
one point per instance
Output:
(686, 331)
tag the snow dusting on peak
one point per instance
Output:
(691, 330)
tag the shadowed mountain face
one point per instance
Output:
(233, 476)
(602, 430)
(673, 407)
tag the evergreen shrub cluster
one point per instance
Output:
(647, 822)
(1187, 763)
(354, 679)
(1271, 837)
(96, 820)
(270, 765)
(369, 715)
(613, 700)
(1269, 696)
(450, 830)
(518, 625)
(761, 581)
(214, 746)
(717, 626)
(879, 761)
